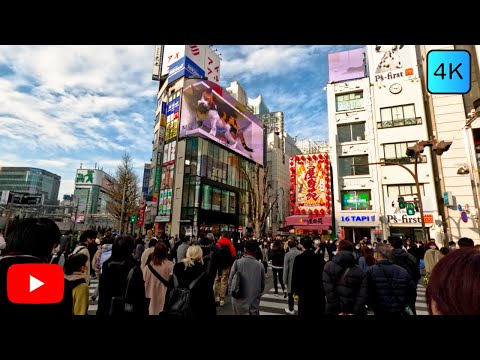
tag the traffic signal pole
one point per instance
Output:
(414, 174)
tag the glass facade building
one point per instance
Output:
(31, 181)
(215, 193)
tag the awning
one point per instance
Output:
(312, 227)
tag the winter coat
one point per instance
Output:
(431, 258)
(407, 261)
(390, 288)
(155, 290)
(348, 294)
(252, 284)
(202, 298)
(277, 256)
(113, 283)
(288, 267)
(307, 283)
(79, 288)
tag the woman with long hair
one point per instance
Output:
(366, 258)
(202, 298)
(277, 256)
(157, 274)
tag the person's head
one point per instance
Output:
(452, 245)
(345, 245)
(251, 247)
(277, 244)
(316, 243)
(211, 237)
(122, 248)
(186, 239)
(159, 253)
(395, 241)
(225, 234)
(306, 242)
(292, 244)
(432, 245)
(454, 286)
(153, 242)
(382, 252)
(194, 255)
(36, 237)
(205, 244)
(465, 242)
(88, 236)
(444, 250)
(76, 263)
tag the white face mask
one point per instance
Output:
(357, 247)
(432, 247)
(369, 246)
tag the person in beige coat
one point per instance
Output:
(155, 289)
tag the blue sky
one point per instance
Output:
(66, 105)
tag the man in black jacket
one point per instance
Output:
(345, 283)
(404, 259)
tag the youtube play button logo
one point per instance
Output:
(35, 284)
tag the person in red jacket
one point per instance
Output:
(224, 258)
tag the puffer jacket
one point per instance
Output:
(407, 261)
(390, 288)
(277, 257)
(347, 295)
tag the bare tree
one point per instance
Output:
(260, 205)
(124, 190)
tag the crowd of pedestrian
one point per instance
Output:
(143, 276)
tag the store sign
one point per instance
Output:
(358, 220)
(162, 219)
(396, 215)
(404, 219)
(309, 220)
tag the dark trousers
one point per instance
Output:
(265, 265)
(291, 302)
(279, 273)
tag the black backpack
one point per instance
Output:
(177, 302)
(223, 257)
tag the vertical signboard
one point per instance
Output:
(171, 54)
(172, 119)
(310, 185)
(157, 61)
(212, 65)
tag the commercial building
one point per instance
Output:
(197, 176)
(257, 105)
(308, 146)
(30, 185)
(146, 179)
(373, 117)
(456, 173)
(91, 198)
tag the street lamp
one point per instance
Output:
(438, 147)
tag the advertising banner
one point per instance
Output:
(346, 65)
(156, 184)
(184, 67)
(172, 119)
(171, 54)
(167, 177)
(212, 65)
(211, 112)
(392, 62)
(310, 184)
(89, 176)
(81, 199)
(169, 153)
(157, 61)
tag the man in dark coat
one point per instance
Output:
(390, 287)
(345, 283)
(404, 259)
(307, 281)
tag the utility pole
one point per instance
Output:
(76, 212)
(123, 205)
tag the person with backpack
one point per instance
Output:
(87, 238)
(224, 256)
(190, 292)
(75, 269)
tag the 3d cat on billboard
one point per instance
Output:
(210, 111)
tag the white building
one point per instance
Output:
(237, 91)
(374, 119)
(308, 146)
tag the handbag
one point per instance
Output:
(118, 304)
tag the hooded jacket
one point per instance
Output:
(407, 261)
(348, 294)
(79, 288)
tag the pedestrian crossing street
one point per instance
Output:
(272, 304)
(92, 308)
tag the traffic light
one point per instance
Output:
(132, 219)
(401, 202)
(441, 147)
(415, 204)
(410, 208)
(415, 149)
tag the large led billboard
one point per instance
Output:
(211, 112)
(310, 192)
(346, 65)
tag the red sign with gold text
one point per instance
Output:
(310, 184)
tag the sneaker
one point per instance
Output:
(222, 302)
(290, 312)
(217, 299)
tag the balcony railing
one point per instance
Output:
(406, 160)
(399, 122)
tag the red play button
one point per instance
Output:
(35, 284)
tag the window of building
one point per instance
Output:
(225, 199)
(404, 189)
(353, 165)
(396, 152)
(207, 197)
(216, 199)
(351, 132)
(403, 115)
(350, 101)
(356, 200)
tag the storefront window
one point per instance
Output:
(216, 199)
(207, 197)
(232, 204)
(225, 198)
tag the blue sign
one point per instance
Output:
(445, 197)
(464, 216)
(184, 67)
(164, 108)
(459, 207)
(173, 106)
(448, 71)
(358, 218)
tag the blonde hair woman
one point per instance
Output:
(202, 298)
